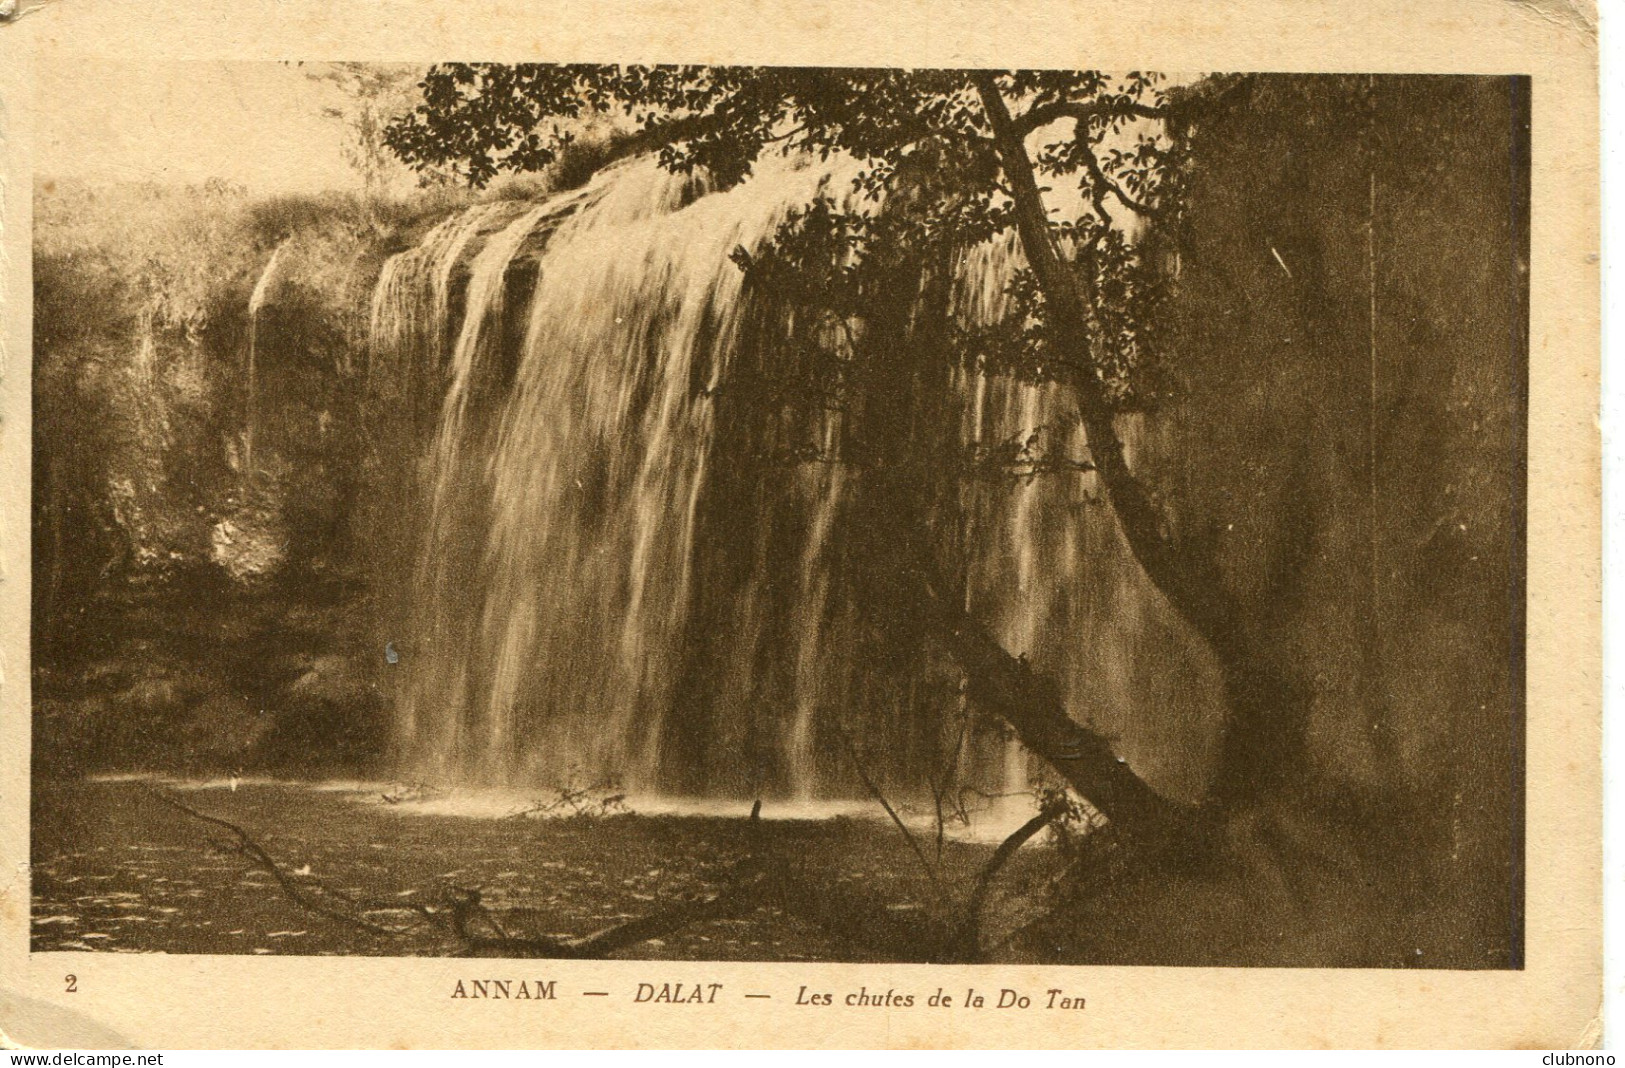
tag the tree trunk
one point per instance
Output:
(1264, 732)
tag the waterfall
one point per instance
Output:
(457, 505)
(604, 584)
(249, 539)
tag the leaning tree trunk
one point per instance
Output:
(1263, 735)
(1007, 687)
(900, 436)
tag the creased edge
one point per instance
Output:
(10, 12)
(1591, 1035)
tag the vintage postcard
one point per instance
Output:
(853, 525)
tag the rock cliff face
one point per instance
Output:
(199, 451)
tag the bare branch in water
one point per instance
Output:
(764, 878)
(461, 912)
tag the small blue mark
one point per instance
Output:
(390, 655)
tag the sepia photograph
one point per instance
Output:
(779, 514)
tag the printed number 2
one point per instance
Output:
(73, 983)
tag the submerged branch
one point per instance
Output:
(763, 878)
(460, 911)
(248, 847)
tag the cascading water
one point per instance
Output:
(249, 540)
(583, 489)
(604, 586)
(411, 304)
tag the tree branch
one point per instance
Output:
(1098, 178)
(874, 790)
(461, 907)
(263, 860)
(1007, 687)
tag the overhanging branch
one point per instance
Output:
(1036, 118)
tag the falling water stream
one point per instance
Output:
(589, 598)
